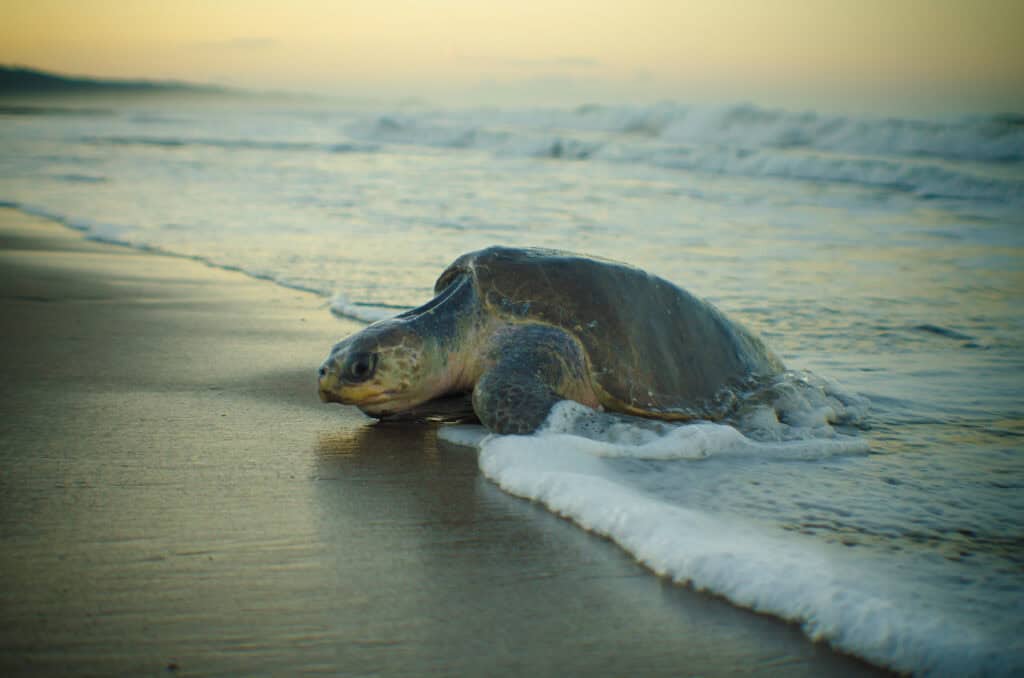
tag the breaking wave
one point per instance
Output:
(926, 158)
(976, 158)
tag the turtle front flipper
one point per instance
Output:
(532, 367)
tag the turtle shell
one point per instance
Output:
(653, 348)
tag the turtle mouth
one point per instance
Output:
(381, 403)
(380, 406)
(388, 404)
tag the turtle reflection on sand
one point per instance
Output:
(521, 329)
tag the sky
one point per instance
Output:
(886, 56)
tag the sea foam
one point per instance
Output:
(619, 477)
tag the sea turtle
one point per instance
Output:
(521, 329)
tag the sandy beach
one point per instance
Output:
(175, 500)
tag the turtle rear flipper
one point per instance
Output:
(532, 368)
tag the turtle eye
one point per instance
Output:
(360, 367)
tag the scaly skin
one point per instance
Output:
(530, 367)
(523, 328)
(421, 355)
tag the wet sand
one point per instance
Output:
(174, 499)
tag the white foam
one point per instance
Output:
(830, 594)
(610, 436)
(896, 612)
(466, 435)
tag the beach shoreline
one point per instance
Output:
(176, 499)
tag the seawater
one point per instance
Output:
(876, 499)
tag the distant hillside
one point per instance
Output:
(29, 81)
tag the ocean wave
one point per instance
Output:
(923, 158)
(172, 142)
(646, 486)
(993, 139)
(856, 603)
(978, 158)
(996, 139)
(925, 180)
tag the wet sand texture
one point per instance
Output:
(174, 499)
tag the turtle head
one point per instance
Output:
(394, 365)
(385, 369)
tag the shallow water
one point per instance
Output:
(884, 254)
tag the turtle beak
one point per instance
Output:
(327, 385)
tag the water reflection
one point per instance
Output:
(429, 568)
